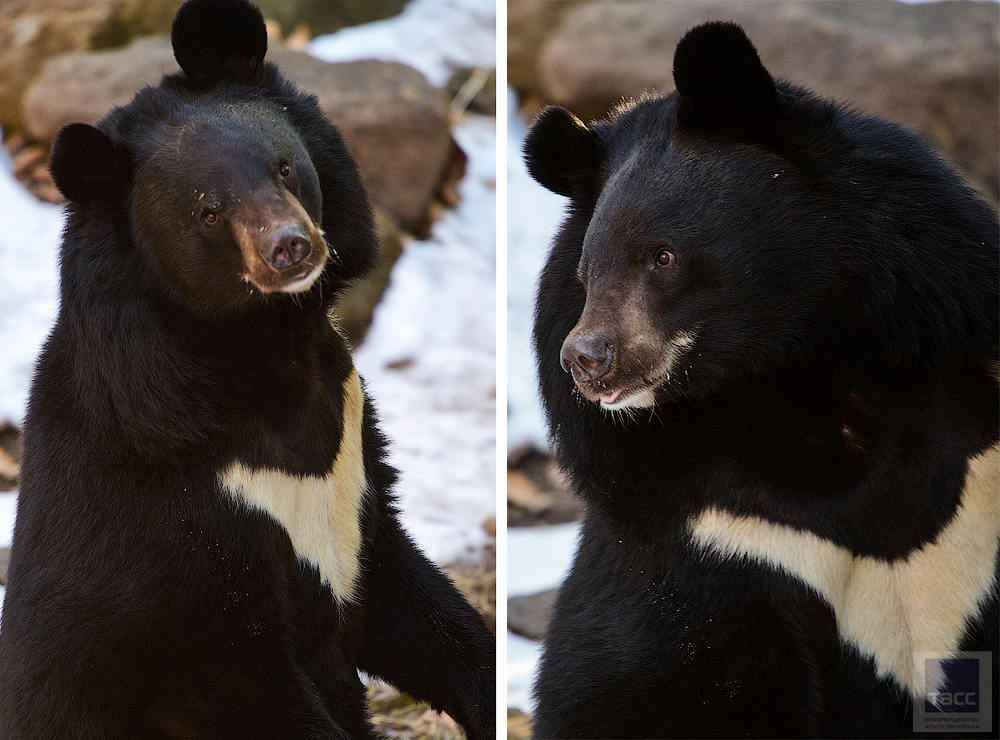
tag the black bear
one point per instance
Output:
(206, 543)
(767, 338)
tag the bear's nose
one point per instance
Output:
(587, 356)
(286, 247)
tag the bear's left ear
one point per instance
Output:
(721, 83)
(84, 163)
(209, 35)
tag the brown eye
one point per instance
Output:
(284, 169)
(664, 258)
(209, 216)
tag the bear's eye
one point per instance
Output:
(285, 170)
(209, 216)
(664, 258)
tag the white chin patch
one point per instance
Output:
(643, 399)
(305, 283)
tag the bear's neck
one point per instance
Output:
(817, 455)
(151, 375)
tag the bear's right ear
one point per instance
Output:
(560, 151)
(209, 35)
(84, 163)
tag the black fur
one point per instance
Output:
(840, 283)
(143, 601)
(209, 35)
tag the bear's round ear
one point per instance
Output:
(560, 151)
(208, 35)
(84, 163)
(721, 83)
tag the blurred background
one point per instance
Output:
(932, 66)
(412, 86)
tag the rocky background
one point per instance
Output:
(930, 66)
(73, 60)
(934, 67)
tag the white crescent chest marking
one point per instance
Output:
(320, 515)
(888, 611)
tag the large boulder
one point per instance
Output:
(394, 122)
(31, 31)
(529, 24)
(934, 66)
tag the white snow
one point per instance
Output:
(432, 36)
(522, 663)
(533, 215)
(437, 321)
(8, 503)
(29, 244)
(538, 558)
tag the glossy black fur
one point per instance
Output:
(143, 601)
(841, 277)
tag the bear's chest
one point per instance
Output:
(890, 611)
(321, 514)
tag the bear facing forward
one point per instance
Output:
(767, 338)
(206, 543)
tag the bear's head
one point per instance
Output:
(231, 180)
(740, 226)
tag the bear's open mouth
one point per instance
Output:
(640, 399)
(302, 280)
(641, 396)
(622, 389)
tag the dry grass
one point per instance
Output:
(518, 725)
(398, 717)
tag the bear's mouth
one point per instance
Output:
(620, 399)
(302, 279)
(641, 395)
(627, 385)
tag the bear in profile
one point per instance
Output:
(206, 543)
(767, 339)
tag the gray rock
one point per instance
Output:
(528, 616)
(32, 31)
(394, 122)
(83, 86)
(934, 67)
(529, 24)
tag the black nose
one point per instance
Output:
(286, 247)
(587, 356)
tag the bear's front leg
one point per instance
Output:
(420, 633)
